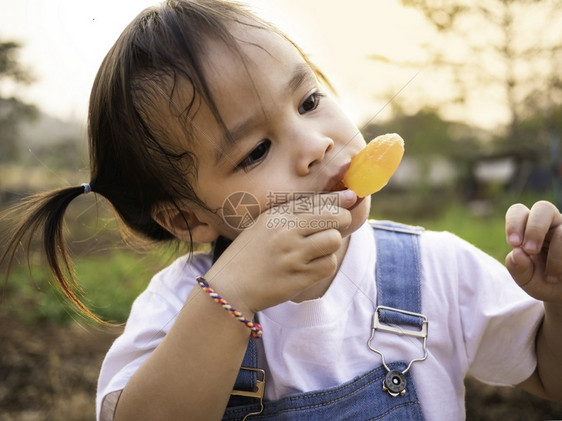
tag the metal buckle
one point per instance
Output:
(421, 334)
(398, 330)
(257, 394)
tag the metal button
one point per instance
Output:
(395, 383)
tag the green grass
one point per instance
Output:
(482, 225)
(109, 283)
(487, 232)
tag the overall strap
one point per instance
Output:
(399, 301)
(398, 272)
(248, 379)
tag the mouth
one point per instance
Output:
(335, 182)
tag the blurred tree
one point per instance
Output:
(505, 51)
(429, 138)
(66, 153)
(12, 109)
(10, 66)
(541, 123)
(426, 132)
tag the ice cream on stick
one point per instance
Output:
(373, 166)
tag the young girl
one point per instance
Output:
(209, 125)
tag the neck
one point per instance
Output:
(319, 288)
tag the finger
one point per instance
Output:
(315, 270)
(515, 221)
(323, 266)
(338, 218)
(527, 271)
(307, 203)
(320, 220)
(520, 266)
(341, 199)
(553, 250)
(542, 217)
(322, 243)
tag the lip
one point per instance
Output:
(335, 181)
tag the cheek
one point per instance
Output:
(238, 211)
(345, 126)
(213, 192)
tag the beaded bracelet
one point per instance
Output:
(256, 329)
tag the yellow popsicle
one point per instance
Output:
(373, 166)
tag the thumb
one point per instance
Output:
(520, 266)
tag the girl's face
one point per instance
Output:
(290, 138)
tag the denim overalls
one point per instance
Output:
(378, 394)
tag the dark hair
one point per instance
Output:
(135, 161)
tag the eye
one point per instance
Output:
(256, 155)
(310, 103)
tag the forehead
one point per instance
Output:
(258, 63)
(248, 80)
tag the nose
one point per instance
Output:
(312, 149)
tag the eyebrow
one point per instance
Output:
(302, 73)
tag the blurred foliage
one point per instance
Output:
(67, 153)
(426, 132)
(10, 67)
(514, 45)
(506, 51)
(12, 110)
(110, 268)
(109, 283)
(431, 140)
(428, 138)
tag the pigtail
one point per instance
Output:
(46, 211)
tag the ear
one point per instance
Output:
(181, 222)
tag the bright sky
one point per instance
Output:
(65, 41)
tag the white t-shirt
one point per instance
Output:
(480, 323)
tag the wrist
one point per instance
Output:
(255, 328)
(228, 289)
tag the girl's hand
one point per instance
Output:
(536, 259)
(288, 249)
